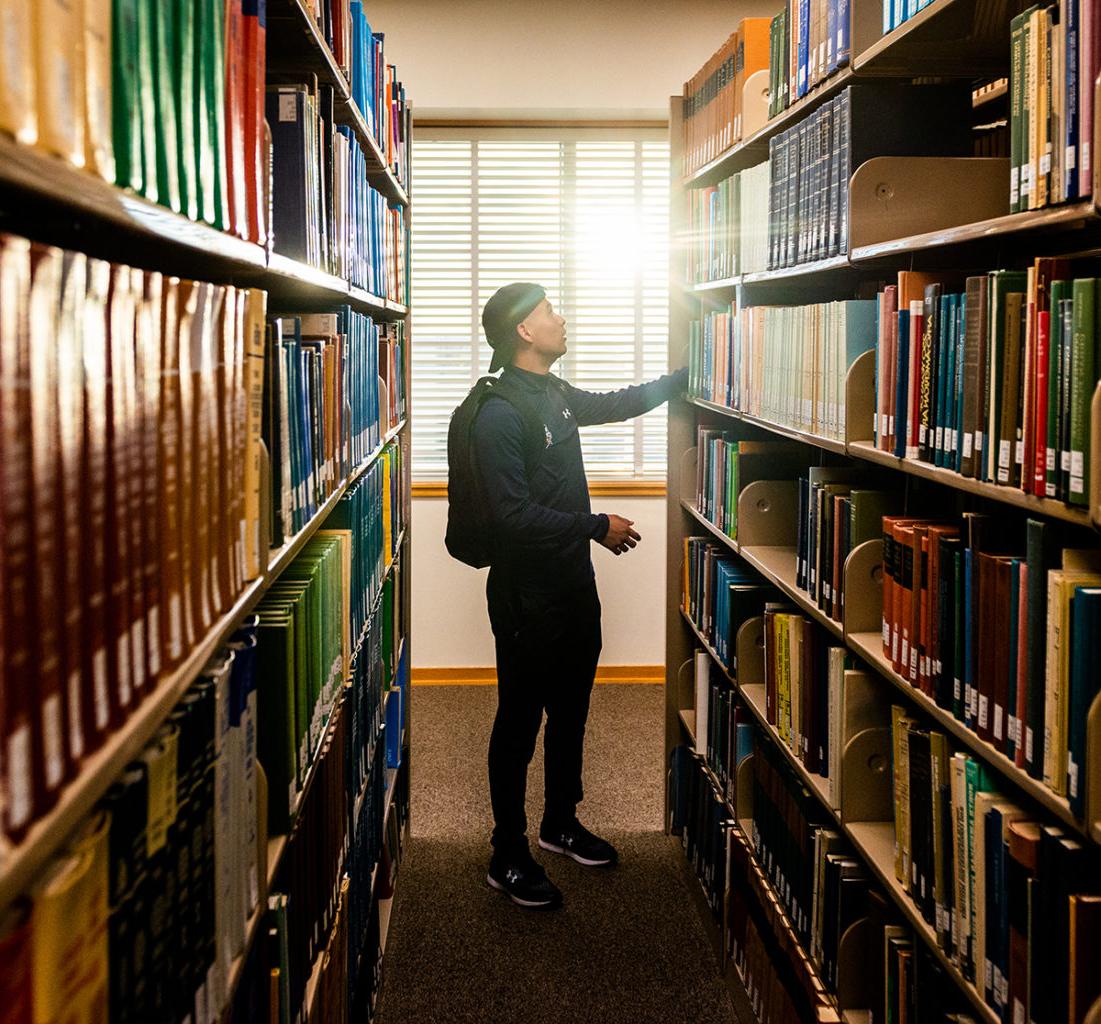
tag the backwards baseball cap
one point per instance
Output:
(507, 307)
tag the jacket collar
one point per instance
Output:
(534, 382)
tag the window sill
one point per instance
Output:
(597, 488)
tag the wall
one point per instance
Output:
(450, 625)
(552, 59)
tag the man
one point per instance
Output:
(543, 604)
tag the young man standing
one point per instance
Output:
(543, 604)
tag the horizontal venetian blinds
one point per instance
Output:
(582, 212)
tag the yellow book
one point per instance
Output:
(17, 85)
(70, 963)
(900, 733)
(783, 677)
(387, 519)
(99, 150)
(255, 319)
(58, 38)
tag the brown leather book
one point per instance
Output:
(219, 494)
(70, 411)
(173, 625)
(1024, 852)
(147, 348)
(95, 677)
(1085, 940)
(189, 294)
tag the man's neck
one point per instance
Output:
(532, 362)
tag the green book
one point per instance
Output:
(977, 781)
(1083, 381)
(126, 123)
(1060, 292)
(166, 90)
(209, 112)
(275, 734)
(147, 97)
(1016, 109)
(278, 959)
(866, 512)
(183, 83)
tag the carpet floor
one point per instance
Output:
(627, 948)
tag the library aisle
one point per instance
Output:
(628, 945)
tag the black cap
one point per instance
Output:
(506, 308)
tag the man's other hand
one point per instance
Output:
(621, 536)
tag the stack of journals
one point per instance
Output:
(700, 818)
(995, 381)
(163, 875)
(1016, 904)
(1055, 60)
(127, 531)
(713, 105)
(724, 726)
(836, 515)
(787, 365)
(809, 41)
(725, 466)
(323, 412)
(802, 679)
(812, 162)
(326, 213)
(729, 226)
(162, 98)
(1001, 636)
(302, 661)
(720, 595)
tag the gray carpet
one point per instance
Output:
(627, 947)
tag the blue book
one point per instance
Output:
(831, 36)
(803, 59)
(899, 12)
(888, 16)
(1071, 161)
(1085, 683)
(958, 376)
(744, 733)
(843, 46)
(902, 385)
(392, 730)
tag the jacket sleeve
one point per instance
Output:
(499, 456)
(612, 406)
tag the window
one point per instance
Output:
(584, 212)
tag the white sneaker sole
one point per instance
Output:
(535, 904)
(576, 856)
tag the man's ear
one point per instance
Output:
(523, 331)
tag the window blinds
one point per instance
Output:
(582, 212)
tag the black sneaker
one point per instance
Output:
(578, 842)
(524, 882)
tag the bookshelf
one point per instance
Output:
(917, 213)
(47, 200)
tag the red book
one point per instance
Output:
(235, 74)
(255, 58)
(1040, 405)
(1021, 710)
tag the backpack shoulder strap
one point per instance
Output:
(534, 429)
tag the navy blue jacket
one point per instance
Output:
(543, 525)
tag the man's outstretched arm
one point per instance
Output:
(590, 407)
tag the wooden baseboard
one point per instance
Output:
(487, 676)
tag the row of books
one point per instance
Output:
(836, 515)
(728, 225)
(130, 500)
(811, 163)
(1055, 56)
(993, 380)
(1000, 629)
(699, 816)
(162, 98)
(1015, 903)
(162, 876)
(714, 101)
(726, 465)
(784, 364)
(325, 211)
(809, 42)
(333, 385)
(724, 728)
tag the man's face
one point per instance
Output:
(545, 331)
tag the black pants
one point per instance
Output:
(547, 650)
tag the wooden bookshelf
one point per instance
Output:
(19, 864)
(965, 39)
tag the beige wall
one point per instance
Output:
(552, 58)
(450, 626)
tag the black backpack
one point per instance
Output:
(468, 536)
